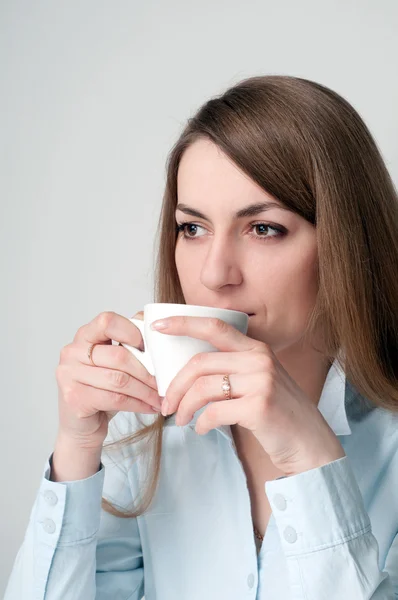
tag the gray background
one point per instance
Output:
(93, 94)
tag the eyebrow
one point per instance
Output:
(248, 211)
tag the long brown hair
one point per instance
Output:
(305, 145)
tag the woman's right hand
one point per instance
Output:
(90, 396)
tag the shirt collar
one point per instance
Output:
(331, 405)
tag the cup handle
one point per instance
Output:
(142, 356)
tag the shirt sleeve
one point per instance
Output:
(327, 538)
(72, 549)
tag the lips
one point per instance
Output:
(239, 310)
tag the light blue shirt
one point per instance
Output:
(332, 534)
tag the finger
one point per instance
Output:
(208, 363)
(226, 412)
(104, 400)
(210, 389)
(114, 357)
(116, 381)
(108, 326)
(220, 334)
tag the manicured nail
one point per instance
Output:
(165, 408)
(161, 324)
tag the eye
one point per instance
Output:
(187, 228)
(278, 231)
(183, 227)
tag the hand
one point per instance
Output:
(265, 399)
(90, 396)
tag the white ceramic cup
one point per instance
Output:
(165, 355)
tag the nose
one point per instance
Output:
(220, 266)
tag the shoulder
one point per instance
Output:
(384, 425)
(373, 445)
(368, 420)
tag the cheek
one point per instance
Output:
(288, 286)
(297, 291)
(303, 277)
(292, 271)
(187, 275)
(301, 281)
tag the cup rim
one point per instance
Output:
(228, 310)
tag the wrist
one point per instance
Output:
(87, 446)
(314, 461)
(72, 461)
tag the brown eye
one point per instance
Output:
(264, 228)
(187, 229)
(190, 230)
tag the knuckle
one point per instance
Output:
(66, 353)
(263, 360)
(218, 325)
(183, 319)
(119, 400)
(69, 394)
(198, 359)
(80, 414)
(271, 371)
(119, 379)
(104, 319)
(150, 396)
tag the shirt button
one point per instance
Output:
(48, 525)
(50, 497)
(250, 580)
(290, 535)
(280, 501)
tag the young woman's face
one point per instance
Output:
(265, 264)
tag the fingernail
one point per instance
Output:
(156, 409)
(165, 408)
(161, 324)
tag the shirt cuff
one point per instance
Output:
(318, 508)
(68, 512)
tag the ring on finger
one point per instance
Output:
(226, 387)
(90, 353)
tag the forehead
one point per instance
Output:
(207, 176)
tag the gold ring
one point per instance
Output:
(90, 352)
(226, 387)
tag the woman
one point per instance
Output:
(284, 487)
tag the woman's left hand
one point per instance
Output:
(264, 398)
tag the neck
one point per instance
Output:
(308, 368)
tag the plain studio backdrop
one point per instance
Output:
(93, 95)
